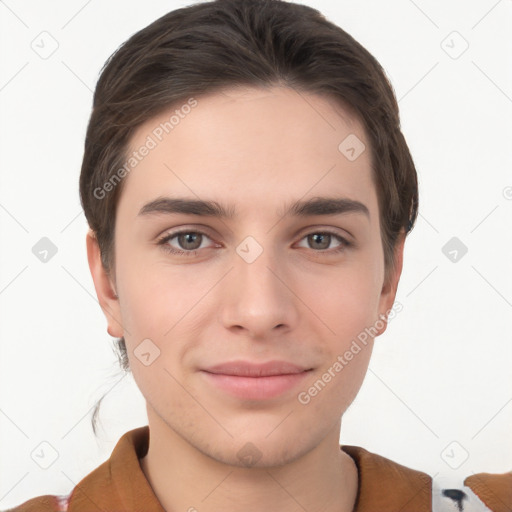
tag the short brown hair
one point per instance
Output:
(209, 46)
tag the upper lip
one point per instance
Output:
(248, 369)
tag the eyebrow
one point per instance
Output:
(300, 208)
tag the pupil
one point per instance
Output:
(318, 238)
(189, 238)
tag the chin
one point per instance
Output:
(259, 451)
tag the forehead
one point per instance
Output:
(252, 145)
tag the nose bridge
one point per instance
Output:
(255, 267)
(257, 298)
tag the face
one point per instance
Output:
(265, 281)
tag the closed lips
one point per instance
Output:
(249, 369)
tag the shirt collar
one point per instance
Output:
(387, 486)
(120, 484)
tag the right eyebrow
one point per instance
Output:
(169, 205)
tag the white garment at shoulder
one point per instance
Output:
(451, 495)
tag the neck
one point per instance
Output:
(184, 478)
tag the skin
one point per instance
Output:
(259, 150)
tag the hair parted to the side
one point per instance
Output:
(210, 46)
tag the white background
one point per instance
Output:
(439, 388)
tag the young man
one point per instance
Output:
(249, 192)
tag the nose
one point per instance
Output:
(258, 296)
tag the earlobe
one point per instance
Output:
(105, 288)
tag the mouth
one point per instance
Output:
(252, 381)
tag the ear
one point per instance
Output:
(389, 288)
(105, 288)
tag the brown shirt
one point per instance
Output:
(119, 485)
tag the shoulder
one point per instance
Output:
(387, 485)
(116, 484)
(373, 467)
(47, 503)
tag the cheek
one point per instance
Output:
(167, 305)
(346, 302)
(153, 294)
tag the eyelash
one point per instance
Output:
(345, 244)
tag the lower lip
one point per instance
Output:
(256, 388)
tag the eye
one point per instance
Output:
(188, 242)
(321, 240)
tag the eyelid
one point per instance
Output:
(169, 235)
(204, 230)
(332, 230)
(344, 242)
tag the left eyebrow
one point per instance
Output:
(326, 206)
(302, 208)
